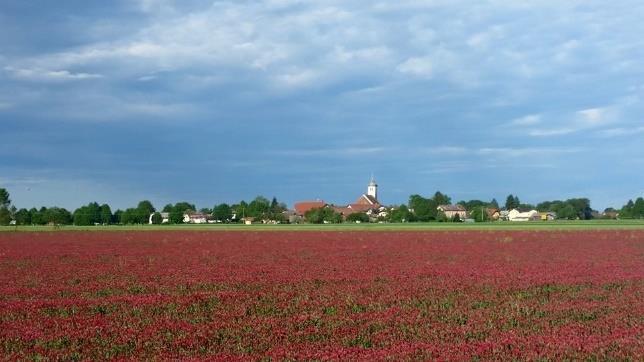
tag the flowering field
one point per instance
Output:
(323, 295)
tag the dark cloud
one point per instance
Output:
(215, 101)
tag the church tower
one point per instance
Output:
(372, 189)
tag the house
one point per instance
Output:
(516, 215)
(303, 207)
(451, 211)
(165, 217)
(248, 220)
(493, 213)
(610, 214)
(548, 216)
(292, 216)
(191, 217)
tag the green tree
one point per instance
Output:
(441, 199)
(157, 219)
(401, 214)
(5, 201)
(479, 214)
(5, 216)
(423, 209)
(494, 204)
(321, 215)
(116, 218)
(358, 217)
(105, 214)
(36, 218)
(638, 208)
(143, 211)
(259, 208)
(87, 215)
(222, 212)
(567, 212)
(57, 216)
(512, 202)
(23, 217)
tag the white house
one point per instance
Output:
(516, 215)
(195, 218)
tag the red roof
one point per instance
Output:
(362, 207)
(451, 207)
(302, 207)
(367, 200)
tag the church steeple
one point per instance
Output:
(372, 189)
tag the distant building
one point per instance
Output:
(192, 217)
(451, 211)
(516, 215)
(493, 214)
(548, 216)
(367, 203)
(303, 207)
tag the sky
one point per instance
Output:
(218, 101)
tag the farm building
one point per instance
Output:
(548, 216)
(516, 215)
(451, 211)
(192, 217)
(493, 213)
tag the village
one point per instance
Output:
(368, 209)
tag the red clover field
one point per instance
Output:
(315, 295)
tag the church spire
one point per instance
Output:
(372, 188)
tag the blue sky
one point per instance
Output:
(217, 101)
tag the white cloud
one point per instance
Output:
(593, 116)
(620, 131)
(526, 151)
(417, 66)
(529, 120)
(547, 132)
(332, 152)
(446, 150)
(579, 121)
(38, 74)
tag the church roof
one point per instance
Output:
(367, 200)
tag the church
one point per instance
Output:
(367, 203)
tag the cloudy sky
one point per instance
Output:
(215, 101)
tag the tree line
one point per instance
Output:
(417, 209)
(94, 213)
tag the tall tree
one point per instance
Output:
(143, 211)
(5, 201)
(157, 218)
(106, 214)
(401, 214)
(5, 216)
(23, 217)
(441, 199)
(512, 202)
(259, 207)
(423, 209)
(638, 208)
(222, 212)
